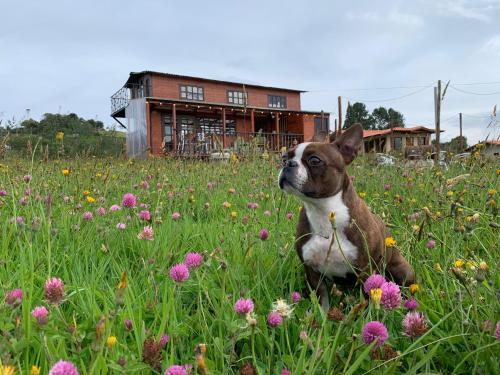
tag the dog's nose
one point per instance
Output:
(291, 164)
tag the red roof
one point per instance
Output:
(415, 129)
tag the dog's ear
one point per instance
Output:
(349, 142)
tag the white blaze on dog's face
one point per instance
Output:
(317, 170)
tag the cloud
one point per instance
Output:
(491, 46)
(479, 10)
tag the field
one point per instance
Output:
(119, 297)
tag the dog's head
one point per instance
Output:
(317, 170)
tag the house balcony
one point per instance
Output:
(121, 98)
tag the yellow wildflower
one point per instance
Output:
(65, 172)
(483, 266)
(35, 370)
(415, 227)
(376, 295)
(60, 136)
(86, 192)
(123, 281)
(492, 192)
(459, 263)
(390, 242)
(450, 193)
(90, 199)
(414, 288)
(331, 216)
(7, 370)
(111, 341)
(98, 174)
(437, 267)
(234, 214)
(362, 195)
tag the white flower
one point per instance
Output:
(282, 308)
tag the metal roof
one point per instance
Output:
(170, 75)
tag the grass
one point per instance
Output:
(90, 257)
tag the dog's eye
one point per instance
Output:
(314, 161)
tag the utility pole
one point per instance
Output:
(461, 139)
(437, 109)
(340, 116)
(335, 126)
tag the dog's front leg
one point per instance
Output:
(317, 283)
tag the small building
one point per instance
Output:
(190, 116)
(397, 139)
(486, 148)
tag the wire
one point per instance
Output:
(478, 83)
(474, 93)
(389, 99)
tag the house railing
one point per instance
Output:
(242, 143)
(121, 98)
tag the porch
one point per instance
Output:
(190, 129)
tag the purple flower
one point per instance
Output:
(128, 324)
(101, 211)
(27, 178)
(497, 330)
(147, 233)
(115, 208)
(285, 372)
(387, 186)
(274, 319)
(411, 304)
(414, 324)
(3, 193)
(63, 368)
(176, 216)
(145, 215)
(243, 306)
(121, 226)
(129, 200)
(253, 205)
(373, 282)
(14, 297)
(20, 220)
(431, 244)
(295, 297)
(374, 330)
(164, 339)
(391, 295)
(176, 370)
(289, 216)
(41, 314)
(23, 201)
(87, 216)
(179, 272)
(193, 260)
(54, 290)
(263, 234)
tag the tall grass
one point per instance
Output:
(53, 240)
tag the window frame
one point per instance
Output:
(189, 89)
(272, 101)
(244, 97)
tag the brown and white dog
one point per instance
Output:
(316, 173)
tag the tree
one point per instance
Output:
(385, 119)
(357, 113)
(455, 145)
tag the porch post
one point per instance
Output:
(174, 128)
(224, 128)
(148, 128)
(252, 121)
(277, 126)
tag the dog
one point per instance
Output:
(315, 172)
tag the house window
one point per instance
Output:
(274, 101)
(167, 133)
(421, 141)
(397, 143)
(237, 97)
(409, 141)
(191, 92)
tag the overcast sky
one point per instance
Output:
(72, 56)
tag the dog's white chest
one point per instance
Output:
(331, 258)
